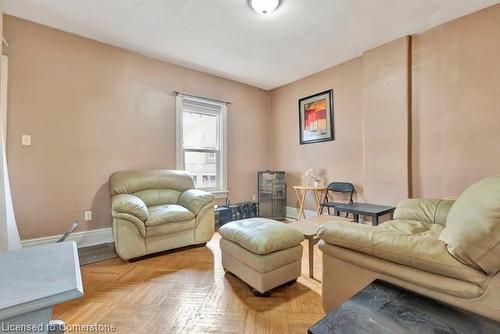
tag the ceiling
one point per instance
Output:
(228, 39)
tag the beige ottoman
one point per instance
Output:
(264, 253)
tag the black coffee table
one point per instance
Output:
(364, 209)
(382, 308)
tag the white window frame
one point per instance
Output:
(216, 108)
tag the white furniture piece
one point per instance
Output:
(158, 210)
(263, 253)
(32, 280)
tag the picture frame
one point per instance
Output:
(316, 123)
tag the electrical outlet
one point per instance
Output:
(88, 215)
(254, 197)
(26, 140)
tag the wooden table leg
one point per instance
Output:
(297, 204)
(301, 198)
(317, 195)
(302, 204)
(311, 257)
(311, 242)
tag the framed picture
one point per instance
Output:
(316, 118)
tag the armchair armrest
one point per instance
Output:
(427, 210)
(130, 204)
(194, 200)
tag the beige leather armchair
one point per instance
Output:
(446, 250)
(158, 210)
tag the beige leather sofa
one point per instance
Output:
(448, 251)
(158, 210)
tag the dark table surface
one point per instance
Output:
(381, 308)
(365, 208)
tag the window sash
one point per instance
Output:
(218, 143)
(218, 176)
(186, 103)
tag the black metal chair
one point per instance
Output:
(337, 187)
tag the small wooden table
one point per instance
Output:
(309, 228)
(301, 192)
(365, 209)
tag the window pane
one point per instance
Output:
(200, 130)
(203, 167)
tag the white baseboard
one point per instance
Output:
(292, 212)
(83, 239)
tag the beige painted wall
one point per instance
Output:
(455, 115)
(341, 159)
(93, 109)
(1, 25)
(370, 100)
(385, 122)
(456, 104)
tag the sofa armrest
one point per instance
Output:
(131, 205)
(194, 200)
(336, 232)
(426, 210)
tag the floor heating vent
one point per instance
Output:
(96, 253)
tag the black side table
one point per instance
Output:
(373, 210)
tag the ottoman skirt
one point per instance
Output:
(261, 252)
(262, 272)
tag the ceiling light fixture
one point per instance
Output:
(264, 7)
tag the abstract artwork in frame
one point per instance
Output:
(316, 118)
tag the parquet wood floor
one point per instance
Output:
(188, 292)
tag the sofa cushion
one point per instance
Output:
(169, 213)
(442, 211)
(404, 276)
(472, 232)
(260, 235)
(155, 197)
(426, 210)
(417, 209)
(407, 242)
(170, 228)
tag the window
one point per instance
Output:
(201, 141)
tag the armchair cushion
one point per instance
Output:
(406, 242)
(195, 200)
(169, 213)
(472, 232)
(129, 204)
(129, 182)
